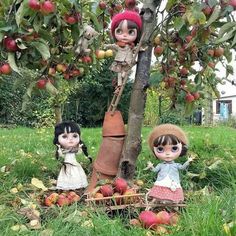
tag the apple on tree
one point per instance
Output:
(47, 7)
(5, 69)
(34, 5)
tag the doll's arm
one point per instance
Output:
(111, 46)
(59, 150)
(186, 164)
(151, 167)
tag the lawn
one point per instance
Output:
(209, 184)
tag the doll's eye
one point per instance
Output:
(160, 149)
(75, 135)
(119, 31)
(64, 136)
(175, 149)
(131, 32)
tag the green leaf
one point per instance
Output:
(226, 37)
(170, 4)
(1, 37)
(226, 27)
(214, 16)
(37, 24)
(94, 19)
(234, 41)
(12, 62)
(178, 23)
(42, 48)
(229, 70)
(195, 16)
(6, 28)
(228, 54)
(21, 12)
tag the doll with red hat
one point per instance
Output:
(168, 142)
(126, 30)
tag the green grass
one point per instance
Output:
(210, 183)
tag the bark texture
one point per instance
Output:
(133, 142)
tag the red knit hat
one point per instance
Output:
(126, 15)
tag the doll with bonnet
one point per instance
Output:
(168, 142)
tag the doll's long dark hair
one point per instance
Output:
(170, 139)
(69, 127)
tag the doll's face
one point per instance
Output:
(168, 152)
(68, 140)
(123, 34)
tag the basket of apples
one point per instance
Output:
(63, 199)
(115, 195)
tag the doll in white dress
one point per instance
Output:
(68, 141)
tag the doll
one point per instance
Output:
(168, 142)
(85, 40)
(126, 30)
(68, 141)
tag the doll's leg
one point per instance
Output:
(120, 78)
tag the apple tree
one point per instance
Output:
(189, 39)
(41, 36)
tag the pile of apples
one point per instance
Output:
(118, 192)
(156, 221)
(63, 199)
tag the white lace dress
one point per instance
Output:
(72, 175)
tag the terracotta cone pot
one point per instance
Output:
(107, 161)
(113, 125)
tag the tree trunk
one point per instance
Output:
(58, 114)
(133, 146)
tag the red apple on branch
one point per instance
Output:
(34, 5)
(5, 69)
(189, 98)
(41, 84)
(47, 7)
(10, 44)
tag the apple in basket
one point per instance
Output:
(118, 199)
(73, 197)
(120, 185)
(106, 190)
(129, 199)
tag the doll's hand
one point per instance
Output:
(59, 150)
(149, 166)
(190, 159)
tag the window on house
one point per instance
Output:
(229, 102)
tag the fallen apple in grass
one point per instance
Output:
(148, 219)
(163, 217)
(62, 200)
